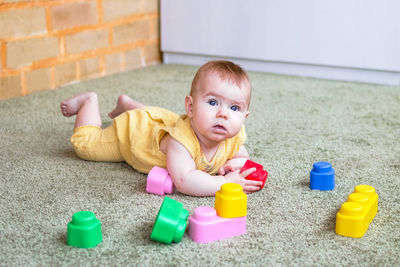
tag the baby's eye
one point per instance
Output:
(212, 102)
(235, 108)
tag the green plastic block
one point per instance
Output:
(171, 221)
(84, 231)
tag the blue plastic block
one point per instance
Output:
(322, 176)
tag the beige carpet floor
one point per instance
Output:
(294, 122)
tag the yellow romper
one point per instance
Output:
(135, 136)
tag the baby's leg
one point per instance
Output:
(85, 106)
(124, 103)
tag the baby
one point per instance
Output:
(201, 150)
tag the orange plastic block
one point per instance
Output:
(230, 201)
(357, 212)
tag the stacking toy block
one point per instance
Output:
(84, 231)
(230, 201)
(159, 182)
(258, 175)
(357, 212)
(205, 226)
(171, 221)
(322, 176)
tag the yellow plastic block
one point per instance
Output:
(230, 201)
(357, 212)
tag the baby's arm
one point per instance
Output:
(188, 180)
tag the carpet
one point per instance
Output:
(294, 122)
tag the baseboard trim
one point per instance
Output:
(305, 70)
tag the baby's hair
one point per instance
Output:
(226, 70)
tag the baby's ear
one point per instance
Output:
(189, 105)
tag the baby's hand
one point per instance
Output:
(249, 186)
(232, 165)
(224, 170)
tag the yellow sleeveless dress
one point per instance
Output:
(135, 137)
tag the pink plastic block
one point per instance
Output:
(159, 182)
(206, 226)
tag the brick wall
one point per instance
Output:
(45, 44)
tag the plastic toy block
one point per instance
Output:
(357, 212)
(171, 222)
(258, 175)
(205, 226)
(230, 201)
(84, 231)
(322, 176)
(159, 182)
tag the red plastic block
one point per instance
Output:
(206, 226)
(258, 175)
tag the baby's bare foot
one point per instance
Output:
(124, 103)
(72, 105)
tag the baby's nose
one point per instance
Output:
(222, 113)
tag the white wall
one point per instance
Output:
(341, 39)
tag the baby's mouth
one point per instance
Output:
(219, 128)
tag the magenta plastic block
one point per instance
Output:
(159, 182)
(206, 226)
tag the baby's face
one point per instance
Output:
(219, 108)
